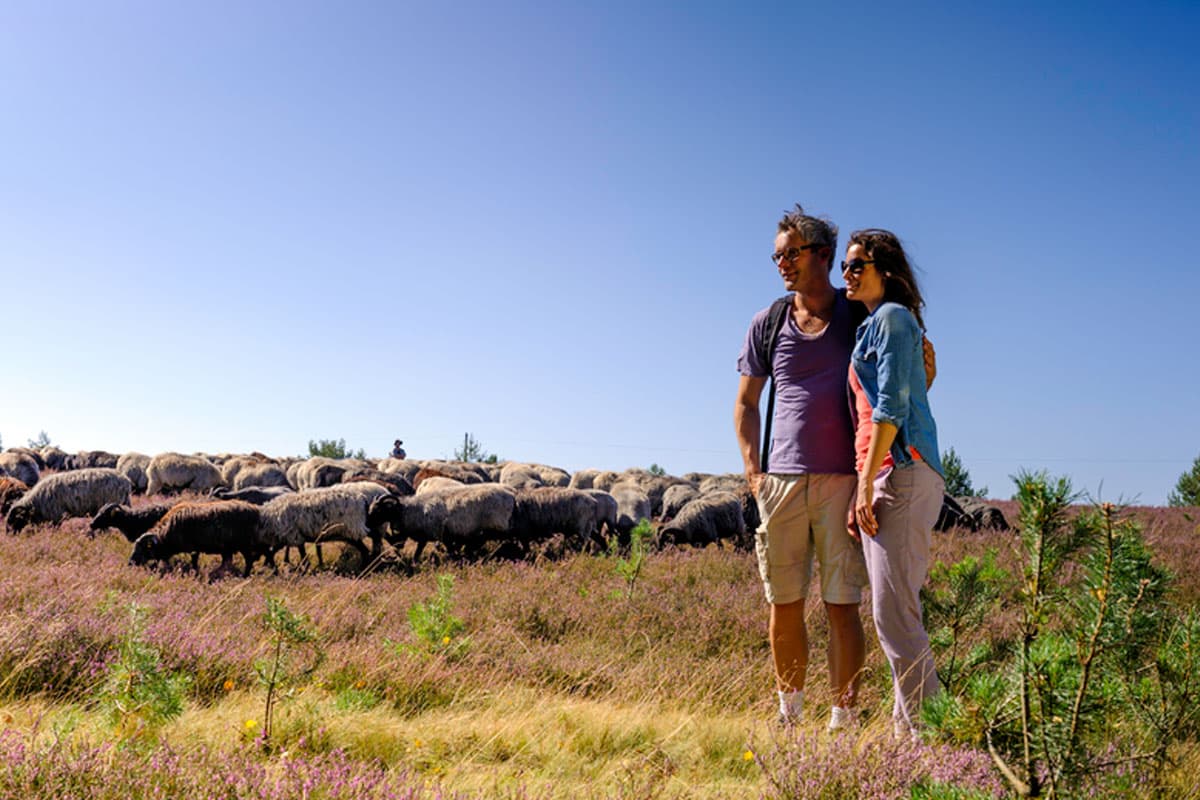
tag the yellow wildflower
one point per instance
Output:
(228, 685)
(748, 755)
(251, 724)
(445, 640)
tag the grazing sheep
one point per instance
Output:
(335, 513)
(633, 506)
(36, 455)
(54, 458)
(230, 466)
(79, 493)
(133, 466)
(542, 512)
(420, 518)
(520, 476)
(463, 519)
(492, 471)
(11, 490)
(552, 476)
(21, 466)
(437, 483)
(708, 519)
(475, 515)
(224, 527)
(255, 495)
(259, 475)
(464, 471)
(730, 482)
(293, 471)
(92, 459)
(394, 482)
(676, 497)
(174, 472)
(319, 472)
(751, 516)
(606, 512)
(604, 481)
(400, 466)
(583, 479)
(131, 522)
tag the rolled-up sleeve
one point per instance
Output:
(894, 347)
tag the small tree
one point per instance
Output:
(472, 450)
(333, 448)
(1187, 490)
(42, 440)
(655, 469)
(958, 480)
(295, 653)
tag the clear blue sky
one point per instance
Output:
(229, 226)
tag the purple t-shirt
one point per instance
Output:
(812, 431)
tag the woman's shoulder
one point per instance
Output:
(894, 316)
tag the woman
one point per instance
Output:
(900, 483)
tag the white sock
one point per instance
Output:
(840, 718)
(791, 704)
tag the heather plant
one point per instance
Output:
(1187, 488)
(1097, 661)
(295, 654)
(629, 567)
(138, 695)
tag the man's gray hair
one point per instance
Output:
(814, 230)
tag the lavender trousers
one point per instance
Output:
(908, 502)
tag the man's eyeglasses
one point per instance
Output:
(856, 266)
(791, 253)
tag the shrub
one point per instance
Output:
(333, 448)
(1187, 489)
(42, 440)
(137, 694)
(290, 635)
(1103, 681)
(472, 450)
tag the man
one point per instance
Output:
(398, 450)
(804, 495)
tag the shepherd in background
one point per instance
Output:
(398, 450)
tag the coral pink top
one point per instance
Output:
(862, 428)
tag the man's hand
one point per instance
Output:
(852, 524)
(930, 358)
(755, 480)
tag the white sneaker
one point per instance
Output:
(842, 718)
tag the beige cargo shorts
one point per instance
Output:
(805, 516)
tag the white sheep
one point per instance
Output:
(334, 513)
(133, 466)
(78, 493)
(175, 472)
(21, 466)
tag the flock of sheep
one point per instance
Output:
(255, 506)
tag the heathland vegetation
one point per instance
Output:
(1069, 649)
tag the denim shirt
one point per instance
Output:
(889, 362)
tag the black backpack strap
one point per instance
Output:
(764, 348)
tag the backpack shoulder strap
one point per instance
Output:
(765, 347)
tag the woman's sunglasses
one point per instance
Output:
(856, 266)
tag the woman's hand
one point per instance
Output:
(864, 507)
